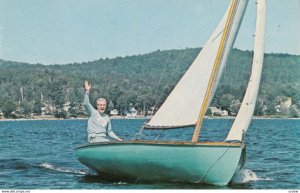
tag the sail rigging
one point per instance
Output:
(246, 111)
(232, 25)
(182, 106)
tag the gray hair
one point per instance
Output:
(101, 99)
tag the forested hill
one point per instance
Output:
(144, 81)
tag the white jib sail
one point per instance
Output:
(183, 105)
(245, 113)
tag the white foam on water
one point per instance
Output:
(246, 175)
(62, 169)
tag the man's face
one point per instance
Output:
(101, 106)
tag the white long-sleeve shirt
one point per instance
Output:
(99, 124)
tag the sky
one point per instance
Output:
(68, 31)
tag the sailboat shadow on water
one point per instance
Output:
(125, 183)
(193, 161)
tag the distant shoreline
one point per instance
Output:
(124, 117)
(48, 118)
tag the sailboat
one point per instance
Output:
(192, 161)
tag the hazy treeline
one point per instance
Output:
(144, 81)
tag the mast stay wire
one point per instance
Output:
(183, 53)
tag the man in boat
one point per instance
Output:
(99, 124)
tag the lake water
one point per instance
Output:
(40, 154)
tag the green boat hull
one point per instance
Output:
(210, 163)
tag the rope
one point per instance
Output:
(159, 80)
(140, 132)
(138, 135)
(159, 135)
(214, 164)
(183, 53)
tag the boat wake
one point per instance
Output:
(246, 175)
(63, 169)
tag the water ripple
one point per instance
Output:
(40, 154)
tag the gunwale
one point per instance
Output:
(166, 143)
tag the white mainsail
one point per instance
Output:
(245, 113)
(183, 105)
(235, 26)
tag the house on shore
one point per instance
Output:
(217, 112)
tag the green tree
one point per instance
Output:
(8, 107)
(225, 102)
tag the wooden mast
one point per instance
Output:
(214, 71)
